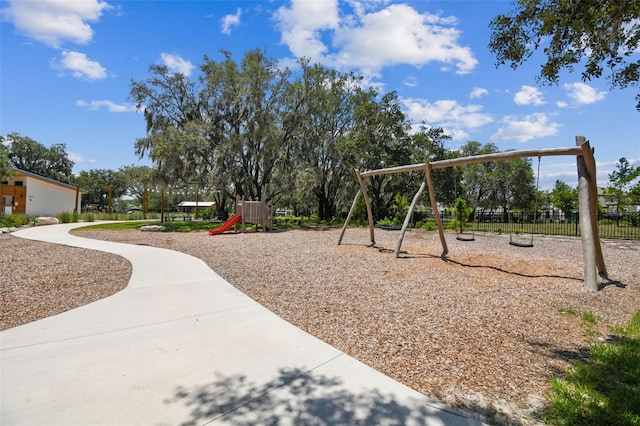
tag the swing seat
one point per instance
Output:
(466, 236)
(520, 241)
(388, 227)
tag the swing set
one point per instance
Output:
(587, 197)
(523, 241)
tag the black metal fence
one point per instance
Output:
(624, 226)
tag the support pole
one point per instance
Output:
(408, 217)
(145, 203)
(109, 200)
(263, 206)
(434, 207)
(590, 162)
(75, 209)
(348, 219)
(363, 187)
(586, 230)
(243, 210)
(162, 204)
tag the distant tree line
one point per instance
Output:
(504, 186)
(256, 131)
(251, 129)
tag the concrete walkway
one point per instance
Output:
(182, 346)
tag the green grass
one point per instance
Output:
(188, 226)
(118, 225)
(605, 389)
(175, 226)
(589, 320)
(170, 226)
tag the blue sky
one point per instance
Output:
(66, 67)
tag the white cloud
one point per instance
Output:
(302, 23)
(454, 118)
(583, 94)
(80, 66)
(79, 158)
(360, 7)
(528, 95)
(176, 64)
(397, 34)
(230, 21)
(110, 105)
(478, 92)
(410, 82)
(53, 21)
(530, 127)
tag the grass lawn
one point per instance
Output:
(604, 389)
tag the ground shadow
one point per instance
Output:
(548, 350)
(294, 396)
(610, 282)
(607, 282)
(405, 255)
(506, 271)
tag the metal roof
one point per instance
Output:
(200, 204)
(48, 180)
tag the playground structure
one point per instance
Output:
(226, 226)
(254, 212)
(587, 196)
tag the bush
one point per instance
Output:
(64, 217)
(430, 225)
(207, 214)
(15, 220)
(387, 222)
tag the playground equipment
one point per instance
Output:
(587, 196)
(226, 226)
(520, 240)
(255, 212)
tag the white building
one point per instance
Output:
(28, 193)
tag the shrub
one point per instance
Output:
(430, 225)
(387, 222)
(207, 214)
(462, 212)
(64, 217)
(14, 220)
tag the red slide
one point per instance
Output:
(226, 226)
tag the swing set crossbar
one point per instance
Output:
(477, 159)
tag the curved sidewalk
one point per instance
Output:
(182, 346)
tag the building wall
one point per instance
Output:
(45, 199)
(13, 198)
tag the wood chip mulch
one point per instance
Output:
(484, 331)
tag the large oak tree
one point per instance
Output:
(31, 156)
(600, 36)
